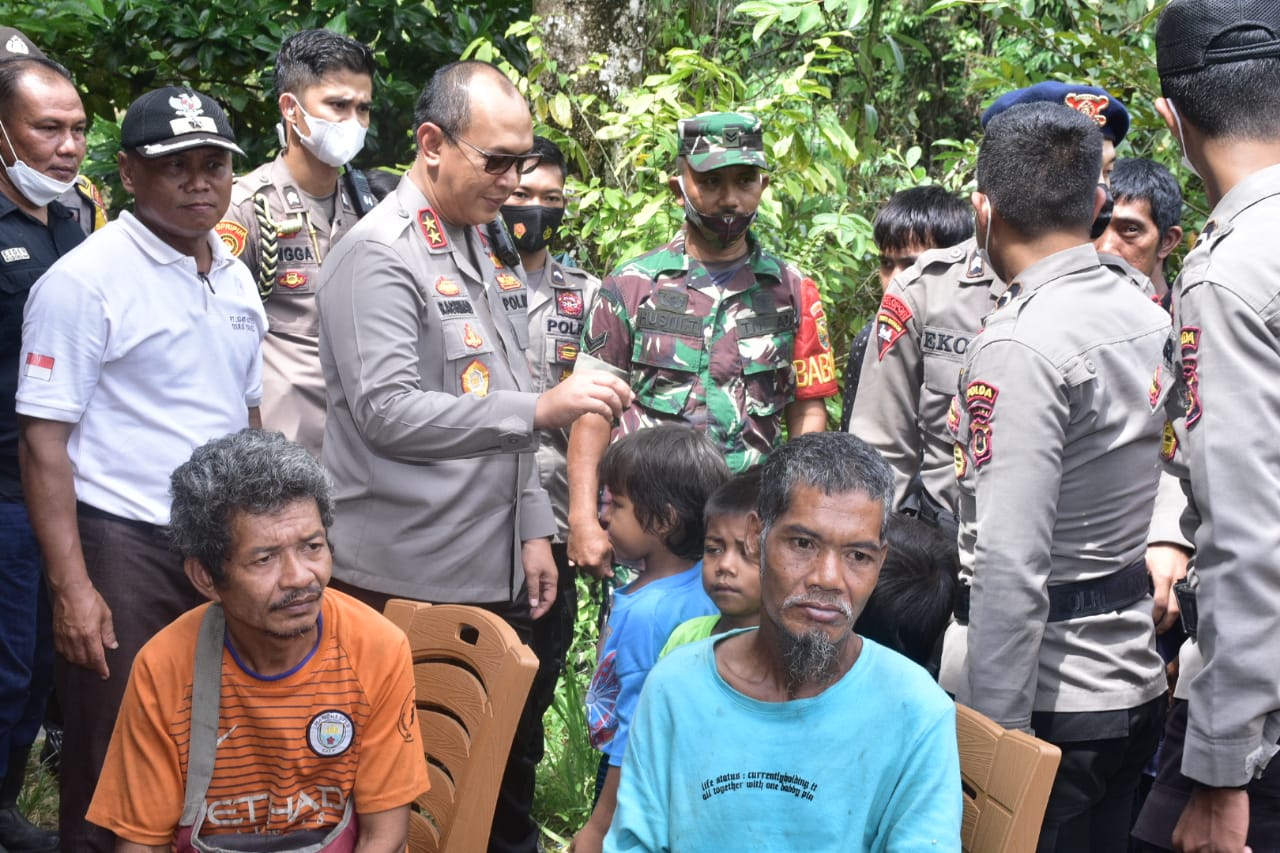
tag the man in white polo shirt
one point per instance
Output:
(137, 347)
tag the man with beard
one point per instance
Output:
(738, 720)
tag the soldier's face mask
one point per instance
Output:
(333, 142)
(532, 225)
(36, 187)
(721, 231)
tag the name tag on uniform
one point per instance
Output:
(658, 320)
(766, 324)
(17, 253)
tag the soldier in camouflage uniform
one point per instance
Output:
(286, 214)
(709, 329)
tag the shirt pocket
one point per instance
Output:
(465, 337)
(767, 374)
(664, 370)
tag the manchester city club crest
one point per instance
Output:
(330, 733)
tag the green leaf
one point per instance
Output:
(562, 110)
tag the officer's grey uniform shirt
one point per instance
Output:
(556, 312)
(1057, 423)
(926, 322)
(1227, 339)
(293, 400)
(430, 438)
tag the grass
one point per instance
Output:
(39, 797)
(566, 777)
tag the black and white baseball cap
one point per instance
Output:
(173, 119)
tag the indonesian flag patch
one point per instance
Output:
(38, 367)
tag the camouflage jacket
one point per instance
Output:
(726, 358)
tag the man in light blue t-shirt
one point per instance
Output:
(799, 735)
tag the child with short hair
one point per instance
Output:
(913, 599)
(659, 480)
(729, 575)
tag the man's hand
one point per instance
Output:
(1167, 564)
(585, 391)
(540, 575)
(82, 628)
(588, 840)
(589, 548)
(1216, 820)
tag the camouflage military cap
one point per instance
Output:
(715, 140)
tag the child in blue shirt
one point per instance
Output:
(659, 480)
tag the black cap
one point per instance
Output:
(14, 44)
(1187, 28)
(172, 119)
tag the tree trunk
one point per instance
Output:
(573, 30)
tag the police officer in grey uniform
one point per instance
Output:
(1219, 65)
(926, 323)
(285, 215)
(433, 413)
(1057, 424)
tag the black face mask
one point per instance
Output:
(1104, 215)
(532, 225)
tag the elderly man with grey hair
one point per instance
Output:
(305, 695)
(798, 734)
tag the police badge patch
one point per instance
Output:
(569, 303)
(233, 235)
(330, 733)
(891, 322)
(1189, 339)
(980, 401)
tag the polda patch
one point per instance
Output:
(891, 322)
(980, 402)
(1189, 342)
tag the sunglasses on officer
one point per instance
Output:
(500, 164)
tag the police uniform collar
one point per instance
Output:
(1059, 264)
(1254, 187)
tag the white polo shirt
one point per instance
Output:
(124, 339)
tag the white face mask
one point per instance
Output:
(36, 187)
(1182, 143)
(333, 142)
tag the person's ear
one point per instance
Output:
(200, 578)
(1169, 242)
(673, 184)
(431, 140)
(764, 181)
(125, 165)
(751, 544)
(981, 210)
(1099, 200)
(1165, 109)
(288, 105)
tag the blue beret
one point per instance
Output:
(1098, 104)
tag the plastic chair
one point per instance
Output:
(472, 676)
(1007, 776)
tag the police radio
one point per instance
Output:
(503, 246)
